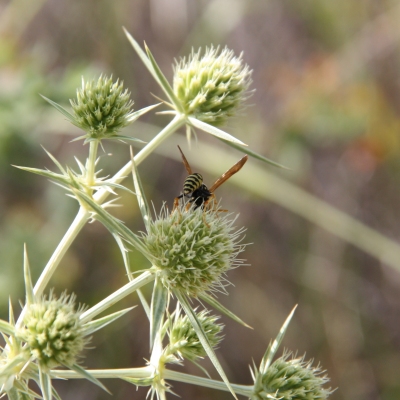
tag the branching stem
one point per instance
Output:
(83, 215)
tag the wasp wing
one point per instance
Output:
(185, 162)
(231, 171)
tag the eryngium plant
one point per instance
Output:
(189, 252)
(102, 108)
(193, 249)
(212, 86)
(53, 332)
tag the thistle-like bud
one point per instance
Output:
(183, 339)
(102, 108)
(193, 249)
(211, 87)
(293, 379)
(53, 332)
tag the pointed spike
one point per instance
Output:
(141, 198)
(219, 133)
(81, 371)
(11, 318)
(97, 324)
(163, 82)
(272, 348)
(203, 339)
(30, 296)
(216, 304)
(55, 161)
(159, 305)
(136, 114)
(61, 109)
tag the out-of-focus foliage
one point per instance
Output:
(327, 105)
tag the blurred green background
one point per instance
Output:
(327, 105)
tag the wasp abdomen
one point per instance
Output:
(192, 183)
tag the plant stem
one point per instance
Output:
(118, 295)
(174, 125)
(100, 196)
(91, 163)
(60, 251)
(143, 372)
(146, 372)
(244, 390)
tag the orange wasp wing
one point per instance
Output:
(231, 171)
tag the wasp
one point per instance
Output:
(196, 191)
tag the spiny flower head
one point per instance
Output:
(211, 86)
(102, 108)
(193, 249)
(183, 339)
(293, 379)
(53, 332)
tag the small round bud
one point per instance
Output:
(102, 108)
(53, 332)
(293, 379)
(184, 340)
(211, 87)
(193, 249)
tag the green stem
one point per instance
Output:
(174, 125)
(91, 163)
(118, 295)
(100, 196)
(244, 390)
(140, 373)
(60, 251)
(147, 372)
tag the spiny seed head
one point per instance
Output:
(102, 108)
(184, 340)
(293, 379)
(212, 86)
(53, 332)
(193, 249)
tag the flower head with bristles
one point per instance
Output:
(102, 108)
(211, 87)
(293, 379)
(193, 249)
(53, 332)
(184, 341)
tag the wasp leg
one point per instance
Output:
(209, 205)
(176, 203)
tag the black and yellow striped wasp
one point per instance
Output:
(196, 191)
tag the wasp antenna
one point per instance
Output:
(185, 162)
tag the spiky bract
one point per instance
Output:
(293, 379)
(193, 249)
(53, 332)
(102, 108)
(211, 86)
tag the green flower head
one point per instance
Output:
(102, 108)
(212, 86)
(184, 340)
(52, 331)
(293, 379)
(193, 249)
